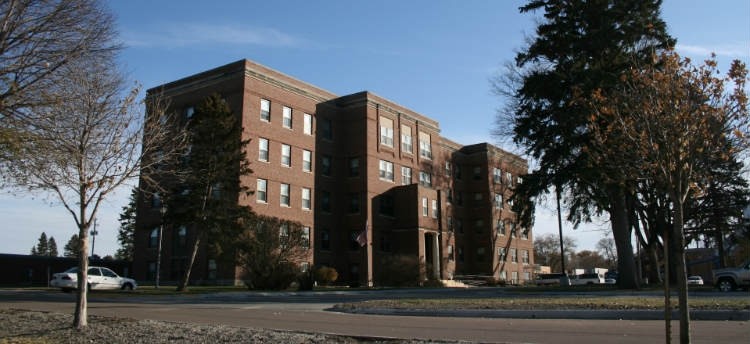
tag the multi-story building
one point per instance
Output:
(340, 165)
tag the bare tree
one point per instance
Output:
(607, 249)
(37, 39)
(84, 145)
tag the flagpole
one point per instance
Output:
(368, 249)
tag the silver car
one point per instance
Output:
(99, 278)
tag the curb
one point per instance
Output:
(710, 315)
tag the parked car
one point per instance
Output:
(548, 279)
(695, 280)
(99, 278)
(584, 279)
(731, 278)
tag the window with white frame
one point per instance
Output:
(450, 252)
(500, 227)
(306, 160)
(509, 178)
(513, 231)
(525, 234)
(425, 210)
(503, 275)
(513, 255)
(514, 277)
(497, 176)
(307, 124)
(305, 238)
(425, 179)
(434, 209)
(286, 117)
(263, 149)
(286, 155)
(406, 140)
(405, 175)
(425, 147)
(265, 110)
(525, 257)
(306, 199)
(501, 254)
(386, 131)
(498, 201)
(284, 192)
(386, 170)
(261, 191)
(447, 169)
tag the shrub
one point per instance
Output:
(325, 275)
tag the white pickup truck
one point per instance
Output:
(729, 279)
(584, 279)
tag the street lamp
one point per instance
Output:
(93, 233)
(163, 211)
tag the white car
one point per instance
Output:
(99, 278)
(695, 280)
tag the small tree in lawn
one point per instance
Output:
(270, 250)
(679, 118)
(207, 200)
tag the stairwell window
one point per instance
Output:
(406, 144)
(386, 131)
(425, 210)
(307, 124)
(425, 147)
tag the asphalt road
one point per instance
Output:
(307, 312)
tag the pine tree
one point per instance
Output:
(42, 247)
(211, 176)
(126, 234)
(73, 247)
(52, 247)
(581, 47)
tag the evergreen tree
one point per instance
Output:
(42, 247)
(210, 189)
(33, 251)
(52, 247)
(73, 247)
(580, 47)
(126, 234)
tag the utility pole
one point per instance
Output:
(94, 233)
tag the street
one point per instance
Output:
(307, 312)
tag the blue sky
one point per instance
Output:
(434, 57)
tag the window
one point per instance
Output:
(155, 200)
(325, 201)
(307, 125)
(514, 277)
(405, 175)
(498, 201)
(305, 237)
(449, 196)
(513, 255)
(500, 227)
(497, 176)
(525, 234)
(189, 112)
(386, 170)
(306, 160)
(447, 169)
(325, 163)
(501, 253)
(353, 167)
(450, 224)
(326, 129)
(478, 226)
(513, 231)
(425, 210)
(434, 209)
(261, 192)
(480, 254)
(425, 149)
(265, 110)
(450, 252)
(306, 202)
(478, 197)
(325, 240)
(386, 205)
(284, 191)
(216, 190)
(286, 117)
(425, 179)
(509, 178)
(458, 172)
(286, 155)
(263, 149)
(477, 173)
(527, 276)
(386, 131)
(353, 203)
(406, 145)
(525, 257)
(503, 275)
(461, 254)
(153, 239)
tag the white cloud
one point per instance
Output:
(178, 35)
(725, 50)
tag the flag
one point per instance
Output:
(362, 237)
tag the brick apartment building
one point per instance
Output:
(340, 164)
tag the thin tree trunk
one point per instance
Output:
(679, 237)
(667, 292)
(189, 266)
(80, 317)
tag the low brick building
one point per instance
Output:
(340, 164)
